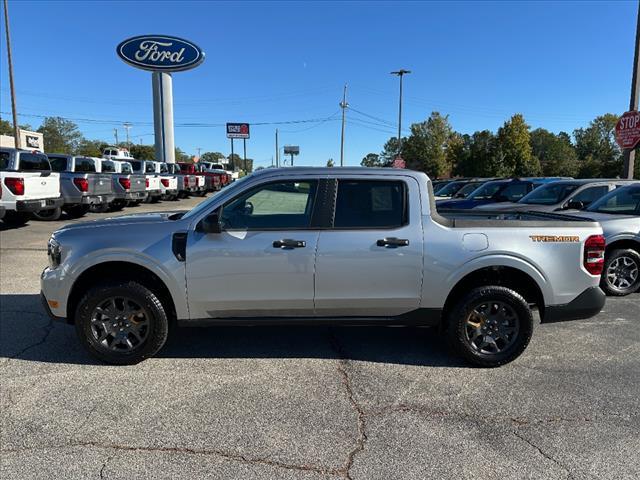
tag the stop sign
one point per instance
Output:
(628, 130)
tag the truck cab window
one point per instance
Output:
(370, 204)
(4, 160)
(85, 165)
(33, 161)
(275, 206)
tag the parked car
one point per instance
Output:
(496, 191)
(152, 180)
(28, 185)
(168, 182)
(562, 195)
(190, 169)
(619, 214)
(82, 185)
(129, 188)
(186, 184)
(459, 188)
(349, 245)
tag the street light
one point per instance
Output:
(400, 73)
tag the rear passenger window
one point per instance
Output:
(4, 160)
(589, 195)
(370, 204)
(85, 165)
(32, 161)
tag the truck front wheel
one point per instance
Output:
(490, 326)
(121, 323)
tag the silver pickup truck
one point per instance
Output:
(81, 184)
(128, 188)
(323, 245)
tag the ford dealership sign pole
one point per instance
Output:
(161, 54)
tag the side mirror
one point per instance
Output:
(575, 205)
(211, 224)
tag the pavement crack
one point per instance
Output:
(46, 332)
(544, 454)
(104, 466)
(345, 471)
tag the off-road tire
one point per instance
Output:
(457, 324)
(620, 254)
(158, 321)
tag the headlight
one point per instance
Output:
(54, 253)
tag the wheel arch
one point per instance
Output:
(498, 275)
(115, 270)
(623, 243)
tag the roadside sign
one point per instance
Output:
(161, 53)
(237, 130)
(291, 150)
(628, 130)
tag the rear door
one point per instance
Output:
(370, 262)
(39, 181)
(262, 264)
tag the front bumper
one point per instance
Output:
(37, 205)
(586, 305)
(52, 287)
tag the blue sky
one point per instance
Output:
(561, 64)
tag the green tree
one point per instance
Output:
(484, 155)
(91, 148)
(6, 127)
(457, 153)
(213, 157)
(389, 151)
(236, 162)
(556, 153)
(426, 148)
(330, 163)
(372, 160)
(598, 152)
(181, 156)
(143, 152)
(514, 149)
(60, 135)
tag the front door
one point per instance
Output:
(262, 264)
(370, 262)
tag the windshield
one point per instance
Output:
(204, 206)
(486, 191)
(549, 194)
(623, 201)
(450, 189)
(467, 189)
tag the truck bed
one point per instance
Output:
(501, 219)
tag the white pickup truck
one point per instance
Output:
(152, 180)
(28, 185)
(351, 246)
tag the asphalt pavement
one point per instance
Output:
(310, 402)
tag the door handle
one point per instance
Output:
(393, 242)
(288, 243)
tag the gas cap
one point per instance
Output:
(475, 242)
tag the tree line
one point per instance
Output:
(434, 147)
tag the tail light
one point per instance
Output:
(165, 182)
(16, 185)
(594, 248)
(81, 184)
(125, 182)
(186, 181)
(146, 182)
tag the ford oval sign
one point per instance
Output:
(160, 53)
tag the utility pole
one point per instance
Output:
(343, 105)
(277, 151)
(115, 133)
(14, 109)
(400, 73)
(629, 156)
(244, 145)
(198, 149)
(127, 127)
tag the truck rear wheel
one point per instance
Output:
(15, 219)
(76, 211)
(49, 215)
(490, 326)
(621, 274)
(121, 323)
(99, 207)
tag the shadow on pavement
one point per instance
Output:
(27, 333)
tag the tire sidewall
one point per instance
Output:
(604, 283)
(457, 325)
(158, 322)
